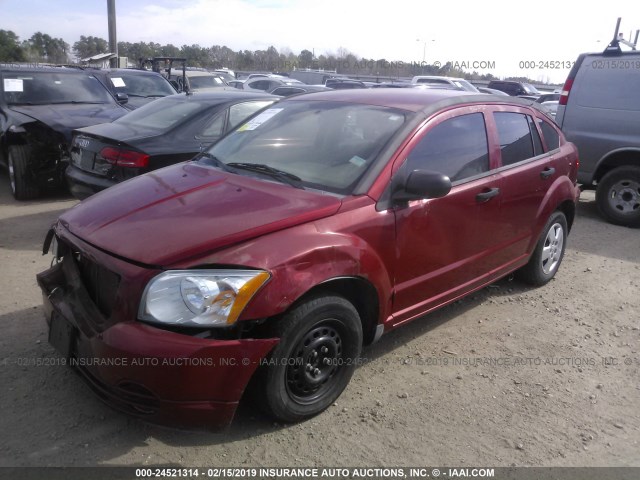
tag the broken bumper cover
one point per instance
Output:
(162, 376)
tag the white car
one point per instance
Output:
(459, 83)
(264, 84)
(196, 80)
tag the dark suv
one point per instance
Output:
(132, 87)
(39, 107)
(515, 89)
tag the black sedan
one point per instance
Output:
(166, 131)
(39, 108)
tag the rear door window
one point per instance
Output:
(515, 137)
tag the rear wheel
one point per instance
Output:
(549, 252)
(320, 344)
(22, 185)
(618, 196)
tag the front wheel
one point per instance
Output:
(320, 344)
(618, 196)
(549, 252)
(22, 185)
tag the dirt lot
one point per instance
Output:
(557, 382)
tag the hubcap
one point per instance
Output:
(12, 174)
(552, 249)
(314, 362)
(624, 196)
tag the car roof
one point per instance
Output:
(135, 71)
(414, 100)
(220, 95)
(438, 77)
(48, 69)
(193, 73)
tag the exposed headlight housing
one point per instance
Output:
(200, 298)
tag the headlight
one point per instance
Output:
(200, 298)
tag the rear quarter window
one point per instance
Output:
(550, 134)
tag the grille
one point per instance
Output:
(100, 283)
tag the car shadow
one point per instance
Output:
(611, 241)
(27, 232)
(64, 413)
(62, 407)
(46, 198)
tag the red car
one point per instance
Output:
(304, 234)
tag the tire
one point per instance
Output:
(320, 344)
(549, 252)
(618, 196)
(21, 184)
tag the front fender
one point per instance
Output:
(303, 257)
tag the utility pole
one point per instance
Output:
(113, 41)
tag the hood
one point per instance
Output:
(188, 210)
(65, 117)
(137, 102)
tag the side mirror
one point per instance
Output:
(122, 98)
(422, 184)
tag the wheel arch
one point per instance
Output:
(360, 292)
(569, 209)
(627, 156)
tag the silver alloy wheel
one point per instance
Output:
(624, 196)
(552, 249)
(12, 173)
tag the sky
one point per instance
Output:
(501, 38)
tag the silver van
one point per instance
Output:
(599, 111)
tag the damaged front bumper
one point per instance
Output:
(163, 376)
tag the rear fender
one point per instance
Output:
(561, 191)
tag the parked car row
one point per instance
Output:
(39, 109)
(43, 112)
(167, 131)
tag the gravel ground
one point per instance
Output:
(509, 376)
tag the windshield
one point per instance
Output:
(327, 145)
(165, 113)
(141, 85)
(463, 84)
(45, 88)
(206, 81)
(530, 89)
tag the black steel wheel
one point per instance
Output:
(618, 196)
(320, 344)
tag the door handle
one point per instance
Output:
(547, 172)
(485, 196)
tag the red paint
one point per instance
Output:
(417, 257)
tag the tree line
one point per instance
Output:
(41, 47)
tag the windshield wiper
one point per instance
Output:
(154, 95)
(284, 177)
(75, 102)
(212, 160)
